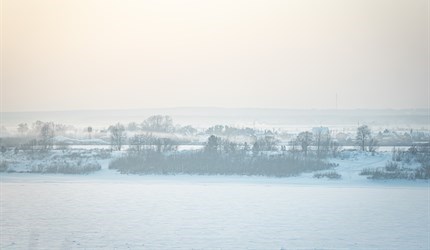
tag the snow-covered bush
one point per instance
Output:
(66, 167)
(395, 172)
(329, 175)
(404, 156)
(210, 163)
(55, 161)
(391, 166)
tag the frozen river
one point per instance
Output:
(70, 213)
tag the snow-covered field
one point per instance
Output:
(108, 210)
(67, 212)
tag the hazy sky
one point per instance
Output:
(89, 54)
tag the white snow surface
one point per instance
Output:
(107, 210)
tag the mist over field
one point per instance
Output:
(262, 169)
(206, 116)
(246, 124)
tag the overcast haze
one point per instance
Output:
(87, 54)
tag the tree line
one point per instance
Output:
(219, 156)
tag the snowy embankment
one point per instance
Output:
(351, 164)
(54, 161)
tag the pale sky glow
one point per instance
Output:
(88, 54)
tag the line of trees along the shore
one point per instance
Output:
(321, 140)
(150, 155)
(218, 157)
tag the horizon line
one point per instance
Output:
(220, 108)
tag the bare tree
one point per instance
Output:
(305, 139)
(142, 142)
(36, 127)
(137, 142)
(293, 148)
(266, 143)
(373, 145)
(256, 148)
(23, 129)
(335, 148)
(117, 136)
(47, 135)
(322, 137)
(363, 136)
(229, 146)
(213, 144)
(165, 145)
(158, 123)
(132, 126)
(60, 129)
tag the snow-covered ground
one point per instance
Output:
(109, 210)
(349, 165)
(61, 161)
(353, 162)
(155, 212)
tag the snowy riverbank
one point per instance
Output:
(349, 168)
